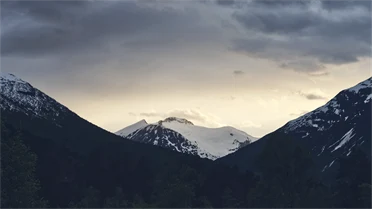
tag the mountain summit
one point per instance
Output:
(20, 96)
(175, 119)
(183, 136)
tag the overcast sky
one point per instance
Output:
(253, 65)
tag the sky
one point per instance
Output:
(253, 65)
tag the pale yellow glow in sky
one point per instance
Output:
(256, 103)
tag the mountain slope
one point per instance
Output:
(330, 131)
(74, 154)
(183, 136)
(19, 96)
(132, 128)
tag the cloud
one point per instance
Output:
(150, 114)
(238, 72)
(305, 35)
(225, 2)
(189, 114)
(250, 124)
(132, 114)
(35, 28)
(318, 74)
(313, 95)
(303, 66)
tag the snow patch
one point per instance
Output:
(362, 85)
(345, 139)
(368, 98)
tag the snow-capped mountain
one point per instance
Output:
(330, 131)
(335, 128)
(19, 96)
(183, 136)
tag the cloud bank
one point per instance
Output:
(192, 115)
(303, 36)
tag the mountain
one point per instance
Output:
(183, 136)
(74, 154)
(19, 96)
(331, 131)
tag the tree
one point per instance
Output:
(364, 199)
(175, 194)
(353, 187)
(204, 202)
(117, 201)
(139, 202)
(286, 176)
(229, 200)
(18, 164)
(91, 199)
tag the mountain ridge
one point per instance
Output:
(330, 131)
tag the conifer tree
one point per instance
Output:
(19, 185)
(117, 201)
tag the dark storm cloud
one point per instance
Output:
(329, 4)
(225, 2)
(306, 34)
(50, 11)
(43, 27)
(303, 36)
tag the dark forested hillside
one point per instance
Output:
(113, 176)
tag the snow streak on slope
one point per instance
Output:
(345, 139)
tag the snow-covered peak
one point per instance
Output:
(216, 141)
(175, 119)
(8, 77)
(132, 128)
(186, 137)
(336, 109)
(362, 85)
(18, 95)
